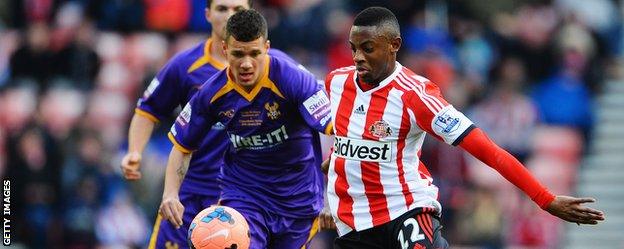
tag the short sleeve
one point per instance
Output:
(435, 115)
(163, 93)
(192, 124)
(285, 57)
(304, 91)
(316, 110)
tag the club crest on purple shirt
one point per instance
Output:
(229, 113)
(273, 112)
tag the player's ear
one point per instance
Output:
(395, 44)
(267, 44)
(224, 44)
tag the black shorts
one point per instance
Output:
(414, 229)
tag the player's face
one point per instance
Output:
(246, 59)
(373, 54)
(220, 11)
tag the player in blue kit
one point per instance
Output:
(273, 113)
(172, 87)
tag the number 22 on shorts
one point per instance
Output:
(414, 236)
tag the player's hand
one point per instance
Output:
(326, 221)
(570, 209)
(325, 166)
(130, 165)
(172, 210)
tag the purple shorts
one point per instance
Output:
(166, 235)
(270, 230)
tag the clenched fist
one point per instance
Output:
(130, 165)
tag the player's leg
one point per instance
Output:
(292, 233)
(372, 238)
(256, 220)
(165, 235)
(418, 228)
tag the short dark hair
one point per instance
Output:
(246, 26)
(209, 2)
(378, 17)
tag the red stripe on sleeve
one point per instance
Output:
(424, 99)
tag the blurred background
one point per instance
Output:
(543, 78)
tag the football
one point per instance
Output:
(219, 227)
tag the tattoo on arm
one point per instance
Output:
(182, 171)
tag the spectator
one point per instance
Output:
(528, 35)
(564, 98)
(506, 114)
(121, 224)
(78, 61)
(25, 13)
(482, 220)
(118, 15)
(34, 158)
(33, 60)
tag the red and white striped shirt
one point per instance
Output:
(375, 174)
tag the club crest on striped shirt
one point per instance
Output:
(273, 111)
(380, 129)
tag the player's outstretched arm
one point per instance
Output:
(567, 208)
(570, 209)
(138, 134)
(171, 208)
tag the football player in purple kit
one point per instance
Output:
(273, 113)
(172, 87)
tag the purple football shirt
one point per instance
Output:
(173, 86)
(274, 153)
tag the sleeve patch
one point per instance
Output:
(173, 131)
(446, 122)
(185, 115)
(450, 124)
(317, 105)
(151, 88)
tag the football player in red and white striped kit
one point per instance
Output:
(379, 193)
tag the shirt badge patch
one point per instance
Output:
(272, 110)
(185, 116)
(317, 105)
(229, 113)
(151, 88)
(380, 129)
(446, 122)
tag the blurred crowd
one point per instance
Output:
(527, 72)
